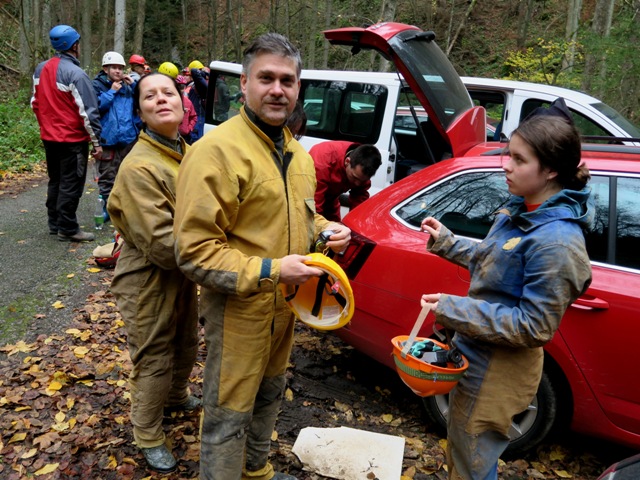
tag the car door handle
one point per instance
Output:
(589, 301)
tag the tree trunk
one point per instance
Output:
(595, 62)
(327, 23)
(461, 26)
(139, 31)
(571, 33)
(387, 14)
(214, 33)
(313, 32)
(105, 42)
(118, 30)
(26, 35)
(86, 60)
(524, 17)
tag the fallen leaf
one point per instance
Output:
(50, 468)
(71, 275)
(562, 473)
(387, 418)
(57, 305)
(94, 270)
(18, 437)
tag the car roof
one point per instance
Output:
(478, 83)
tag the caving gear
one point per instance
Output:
(112, 58)
(428, 367)
(63, 37)
(137, 60)
(169, 68)
(196, 64)
(325, 302)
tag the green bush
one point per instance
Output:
(20, 146)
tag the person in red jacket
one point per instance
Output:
(190, 115)
(342, 167)
(67, 111)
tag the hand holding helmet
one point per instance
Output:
(294, 270)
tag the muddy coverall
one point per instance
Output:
(524, 275)
(241, 207)
(157, 302)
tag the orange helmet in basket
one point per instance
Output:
(423, 376)
(325, 302)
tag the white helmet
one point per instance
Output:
(113, 58)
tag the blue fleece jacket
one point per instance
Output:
(120, 125)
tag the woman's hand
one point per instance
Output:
(430, 299)
(431, 226)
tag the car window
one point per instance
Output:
(344, 110)
(466, 203)
(617, 200)
(236, 99)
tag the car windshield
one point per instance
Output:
(434, 75)
(617, 118)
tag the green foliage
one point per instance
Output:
(20, 145)
(544, 62)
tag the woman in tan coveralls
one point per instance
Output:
(157, 303)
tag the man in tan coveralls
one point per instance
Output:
(245, 218)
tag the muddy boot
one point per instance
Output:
(189, 406)
(160, 459)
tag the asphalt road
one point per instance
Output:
(36, 269)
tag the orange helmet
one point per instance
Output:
(435, 373)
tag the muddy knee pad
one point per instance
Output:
(265, 413)
(222, 443)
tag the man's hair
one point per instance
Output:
(271, 43)
(366, 155)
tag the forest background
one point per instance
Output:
(588, 45)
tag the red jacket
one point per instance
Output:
(190, 117)
(64, 102)
(331, 177)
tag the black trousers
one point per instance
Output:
(67, 169)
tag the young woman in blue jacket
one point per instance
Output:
(531, 266)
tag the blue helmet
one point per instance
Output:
(63, 37)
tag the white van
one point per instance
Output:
(381, 109)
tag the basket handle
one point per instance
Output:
(416, 328)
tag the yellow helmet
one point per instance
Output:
(169, 68)
(325, 302)
(196, 64)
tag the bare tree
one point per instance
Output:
(313, 32)
(26, 36)
(139, 31)
(595, 62)
(571, 32)
(387, 14)
(461, 25)
(327, 23)
(118, 31)
(86, 59)
(524, 17)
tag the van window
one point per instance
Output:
(227, 98)
(344, 110)
(585, 125)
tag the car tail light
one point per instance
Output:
(352, 259)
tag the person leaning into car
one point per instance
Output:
(244, 221)
(531, 266)
(343, 167)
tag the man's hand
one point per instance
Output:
(293, 270)
(431, 226)
(339, 241)
(97, 153)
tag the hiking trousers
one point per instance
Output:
(67, 170)
(248, 352)
(159, 309)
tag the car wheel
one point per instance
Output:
(528, 428)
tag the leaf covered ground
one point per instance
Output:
(64, 405)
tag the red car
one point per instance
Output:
(590, 376)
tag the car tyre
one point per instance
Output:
(528, 428)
